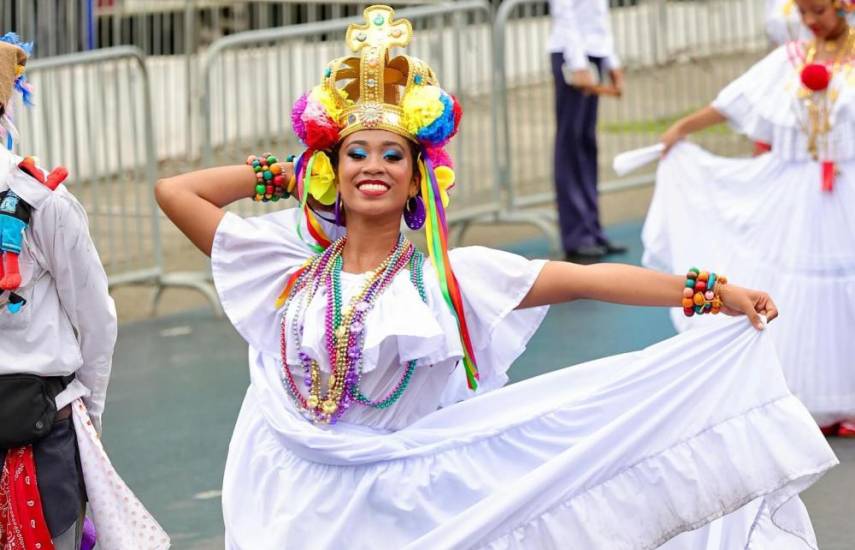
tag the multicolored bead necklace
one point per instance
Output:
(344, 330)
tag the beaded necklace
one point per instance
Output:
(816, 96)
(344, 331)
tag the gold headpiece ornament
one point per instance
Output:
(372, 91)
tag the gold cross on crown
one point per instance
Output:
(379, 30)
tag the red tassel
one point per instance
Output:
(829, 171)
(56, 176)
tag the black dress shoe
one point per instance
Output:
(614, 248)
(586, 254)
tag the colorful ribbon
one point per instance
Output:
(436, 231)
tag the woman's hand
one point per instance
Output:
(751, 303)
(671, 136)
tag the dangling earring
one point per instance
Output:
(414, 213)
(338, 210)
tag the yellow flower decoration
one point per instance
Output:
(325, 97)
(322, 183)
(445, 181)
(421, 107)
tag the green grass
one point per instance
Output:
(656, 126)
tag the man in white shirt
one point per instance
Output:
(582, 50)
(57, 325)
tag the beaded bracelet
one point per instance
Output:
(702, 292)
(269, 180)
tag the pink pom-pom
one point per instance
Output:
(321, 131)
(297, 117)
(438, 156)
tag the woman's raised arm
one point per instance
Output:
(194, 201)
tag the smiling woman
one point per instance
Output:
(370, 420)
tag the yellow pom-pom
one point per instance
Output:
(332, 105)
(421, 106)
(445, 180)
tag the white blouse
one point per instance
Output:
(764, 104)
(252, 259)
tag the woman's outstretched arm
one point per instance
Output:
(625, 284)
(695, 122)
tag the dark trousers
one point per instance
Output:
(575, 161)
(60, 477)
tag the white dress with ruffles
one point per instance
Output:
(766, 223)
(694, 443)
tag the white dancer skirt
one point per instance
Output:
(766, 224)
(693, 443)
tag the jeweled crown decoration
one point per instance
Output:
(373, 91)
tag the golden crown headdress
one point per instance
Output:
(372, 91)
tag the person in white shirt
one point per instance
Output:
(582, 50)
(57, 333)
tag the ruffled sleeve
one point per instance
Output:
(758, 103)
(251, 260)
(493, 283)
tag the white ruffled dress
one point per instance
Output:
(694, 443)
(766, 223)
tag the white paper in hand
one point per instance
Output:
(625, 163)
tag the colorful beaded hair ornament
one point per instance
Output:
(13, 59)
(401, 95)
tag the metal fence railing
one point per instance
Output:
(222, 94)
(173, 34)
(677, 55)
(93, 116)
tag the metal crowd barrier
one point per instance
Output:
(667, 48)
(96, 115)
(173, 34)
(250, 80)
(93, 115)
